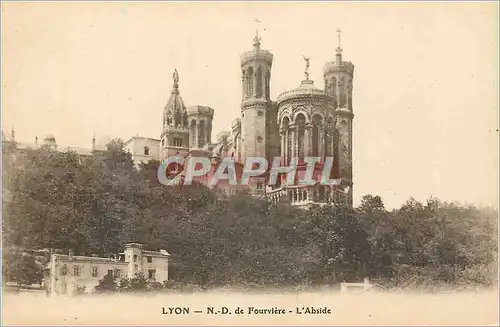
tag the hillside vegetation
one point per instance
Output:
(95, 207)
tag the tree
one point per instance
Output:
(96, 205)
(21, 268)
(106, 285)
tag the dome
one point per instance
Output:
(49, 138)
(306, 89)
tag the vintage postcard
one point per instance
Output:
(249, 163)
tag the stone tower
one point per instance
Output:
(338, 76)
(133, 256)
(256, 104)
(200, 126)
(174, 139)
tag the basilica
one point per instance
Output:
(302, 122)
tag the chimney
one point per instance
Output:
(36, 140)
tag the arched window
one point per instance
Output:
(178, 121)
(178, 142)
(169, 118)
(335, 153)
(258, 79)
(146, 151)
(288, 139)
(192, 133)
(316, 130)
(328, 138)
(201, 134)
(333, 86)
(342, 92)
(250, 82)
(244, 80)
(349, 94)
(300, 122)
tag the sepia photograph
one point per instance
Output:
(249, 163)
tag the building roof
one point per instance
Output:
(141, 138)
(306, 89)
(343, 66)
(175, 101)
(175, 105)
(161, 253)
(257, 53)
(65, 257)
(78, 150)
(200, 110)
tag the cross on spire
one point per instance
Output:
(256, 40)
(339, 47)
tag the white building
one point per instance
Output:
(67, 273)
(143, 149)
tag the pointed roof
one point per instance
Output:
(175, 101)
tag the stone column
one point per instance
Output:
(263, 91)
(282, 136)
(294, 142)
(286, 135)
(329, 143)
(207, 137)
(307, 140)
(254, 82)
(349, 94)
(321, 145)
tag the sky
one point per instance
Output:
(425, 84)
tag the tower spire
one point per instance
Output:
(256, 40)
(339, 46)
